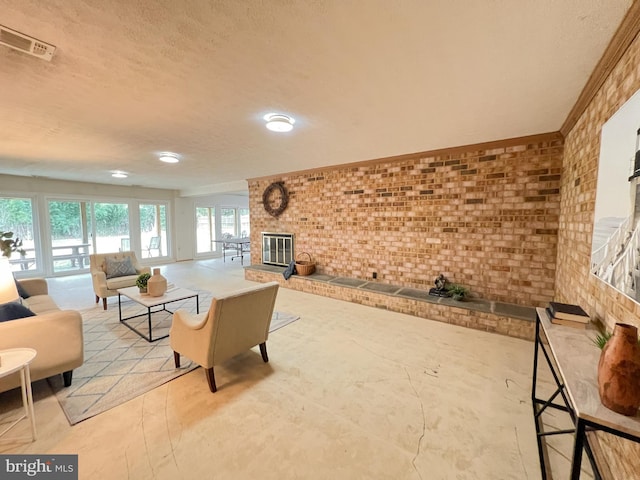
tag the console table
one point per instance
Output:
(573, 360)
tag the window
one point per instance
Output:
(153, 230)
(245, 225)
(78, 226)
(228, 221)
(215, 223)
(16, 215)
(111, 224)
(70, 245)
(60, 238)
(205, 229)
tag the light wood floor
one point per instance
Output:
(350, 392)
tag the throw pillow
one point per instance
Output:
(21, 291)
(14, 311)
(119, 268)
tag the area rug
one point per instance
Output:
(280, 319)
(120, 365)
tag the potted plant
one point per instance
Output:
(457, 292)
(602, 338)
(141, 282)
(8, 244)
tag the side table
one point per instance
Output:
(573, 359)
(11, 361)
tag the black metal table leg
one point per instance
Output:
(149, 320)
(536, 418)
(577, 450)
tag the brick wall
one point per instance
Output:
(574, 283)
(486, 216)
(582, 148)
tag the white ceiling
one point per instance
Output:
(364, 79)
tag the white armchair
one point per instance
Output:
(106, 283)
(234, 323)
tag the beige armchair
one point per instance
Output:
(106, 282)
(234, 323)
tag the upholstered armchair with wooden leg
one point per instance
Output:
(111, 271)
(234, 323)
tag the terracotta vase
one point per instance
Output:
(619, 371)
(157, 284)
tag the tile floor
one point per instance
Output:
(350, 392)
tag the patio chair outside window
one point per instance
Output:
(154, 244)
(227, 247)
(246, 247)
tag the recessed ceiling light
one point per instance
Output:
(119, 174)
(278, 122)
(169, 157)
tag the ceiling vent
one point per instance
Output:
(26, 44)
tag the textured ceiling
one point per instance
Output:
(364, 78)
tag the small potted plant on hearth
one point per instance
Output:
(457, 292)
(141, 282)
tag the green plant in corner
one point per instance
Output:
(601, 339)
(457, 292)
(141, 281)
(8, 244)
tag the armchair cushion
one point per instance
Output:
(119, 267)
(14, 311)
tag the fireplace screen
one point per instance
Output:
(277, 248)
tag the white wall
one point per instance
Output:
(185, 226)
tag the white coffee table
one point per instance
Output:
(11, 361)
(172, 295)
